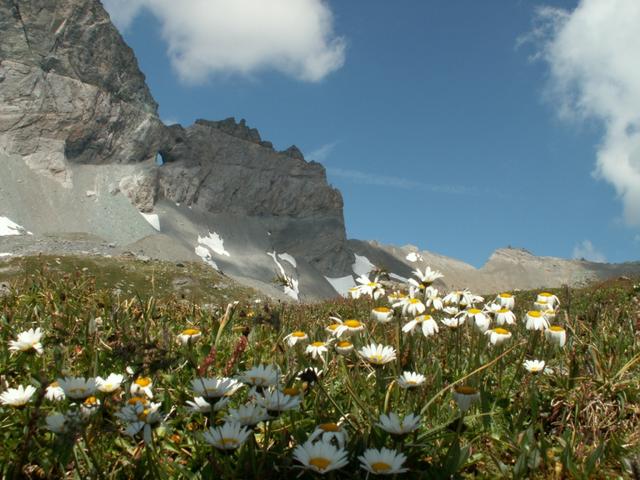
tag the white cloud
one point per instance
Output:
(212, 37)
(592, 53)
(321, 153)
(586, 250)
(365, 178)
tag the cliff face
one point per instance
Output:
(70, 88)
(71, 95)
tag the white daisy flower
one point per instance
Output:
(556, 334)
(482, 321)
(382, 314)
(215, 388)
(465, 396)
(353, 326)
(354, 292)
(506, 300)
(371, 288)
(426, 322)
(411, 306)
(140, 417)
(89, 406)
(344, 347)
(382, 462)
(54, 393)
(17, 397)
(504, 315)
(377, 354)
(411, 380)
(393, 424)
(29, 340)
(426, 278)
(317, 350)
(541, 305)
(56, 423)
(229, 436)
(328, 432)
(454, 322)
(552, 300)
(498, 335)
(200, 405)
(189, 335)
(320, 457)
(109, 384)
(451, 310)
(249, 415)
(432, 299)
(77, 388)
(261, 376)
(534, 366)
(276, 401)
(295, 337)
(396, 296)
(461, 298)
(142, 386)
(536, 320)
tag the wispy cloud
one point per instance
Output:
(213, 37)
(321, 153)
(592, 54)
(365, 178)
(588, 251)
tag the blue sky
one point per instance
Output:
(431, 117)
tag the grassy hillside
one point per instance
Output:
(577, 418)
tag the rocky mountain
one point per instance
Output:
(85, 155)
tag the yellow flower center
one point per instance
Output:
(411, 382)
(545, 294)
(503, 310)
(191, 332)
(91, 401)
(333, 326)
(352, 323)
(379, 467)
(505, 295)
(542, 302)
(228, 441)
(298, 334)
(473, 311)
(135, 400)
(556, 328)
(466, 390)
(77, 390)
(501, 331)
(376, 359)
(382, 309)
(54, 384)
(413, 301)
(320, 463)
(344, 344)
(372, 284)
(143, 415)
(423, 318)
(317, 344)
(143, 381)
(291, 391)
(330, 427)
(535, 313)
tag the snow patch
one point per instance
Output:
(414, 257)
(215, 243)
(342, 284)
(362, 265)
(8, 227)
(292, 285)
(205, 255)
(153, 220)
(288, 258)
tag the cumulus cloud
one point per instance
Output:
(592, 53)
(586, 250)
(212, 37)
